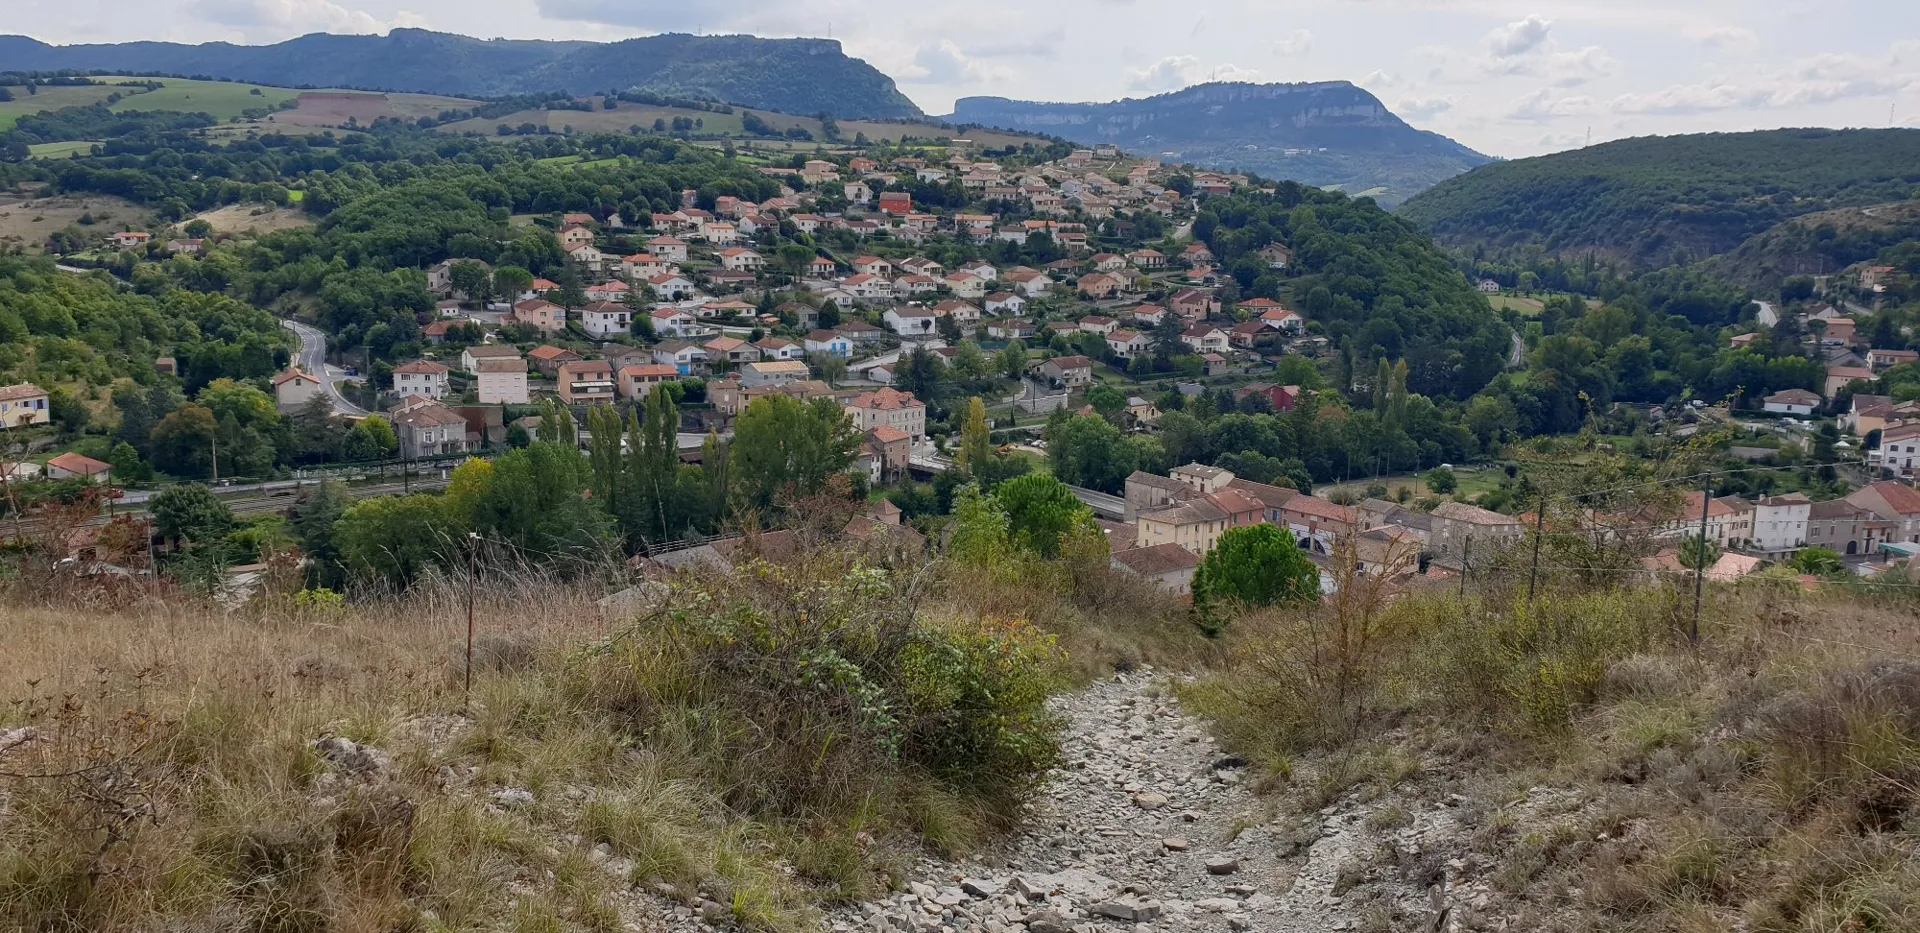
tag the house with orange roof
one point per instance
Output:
(1894, 502)
(548, 359)
(1317, 523)
(889, 408)
(640, 267)
(638, 380)
(295, 387)
(423, 378)
(71, 465)
(541, 314)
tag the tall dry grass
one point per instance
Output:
(160, 767)
(1766, 778)
(753, 743)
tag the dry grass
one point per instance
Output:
(171, 775)
(28, 223)
(1769, 778)
(255, 218)
(758, 744)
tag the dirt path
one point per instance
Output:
(1146, 827)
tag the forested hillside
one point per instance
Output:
(1819, 244)
(57, 328)
(806, 76)
(1655, 201)
(1377, 284)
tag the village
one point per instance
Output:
(686, 300)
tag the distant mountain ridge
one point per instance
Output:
(1655, 201)
(1327, 133)
(800, 76)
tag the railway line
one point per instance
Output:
(253, 502)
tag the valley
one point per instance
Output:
(674, 485)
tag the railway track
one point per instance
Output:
(253, 504)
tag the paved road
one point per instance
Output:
(313, 359)
(1518, 358)
(1103, 505)
(1767, 316)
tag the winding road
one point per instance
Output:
(313, 359)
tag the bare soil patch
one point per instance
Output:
(29, 221)
(255, 218)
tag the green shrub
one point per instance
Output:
(817, 685)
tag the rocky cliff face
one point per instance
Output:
(1327, 133)
(1206, 107)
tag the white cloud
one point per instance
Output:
(1381, 80)
(1542, 106)
(1178, 71)
(1519, 38)
(1297, 42)
(1422, 108)
(1818, 79)
(944, 62)
(1231, 72)
(667, 15)
(1553, 142)
(283, 18)
(1163, 75)
(1718, 37)
(1570, 69)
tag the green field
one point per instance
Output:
(49, 98)
(630, 115)
(221, 100)
(1528, 306)
(65, 150)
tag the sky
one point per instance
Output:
(1510, 78)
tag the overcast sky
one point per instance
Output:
(1508, 77)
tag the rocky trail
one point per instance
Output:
(1147, 827)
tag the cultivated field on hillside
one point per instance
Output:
(256, 218)
(629, 115)
(28, 222)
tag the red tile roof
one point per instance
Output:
(78, 463)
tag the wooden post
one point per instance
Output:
(1466, 550)
(473, 556)
(1539, 528)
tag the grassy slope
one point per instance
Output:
(66, 150)
(49, 98)
(1608, 775)
(642, 749)
(630, 114)
(223, 100)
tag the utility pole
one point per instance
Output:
(1700, 559)
(214, 443)
(1539, 528)
(1466, 549)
